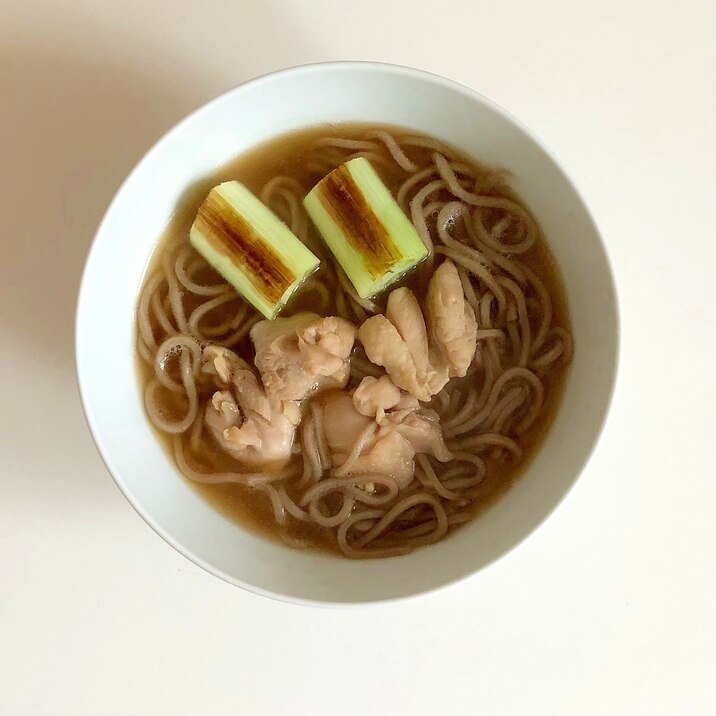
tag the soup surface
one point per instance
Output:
(489, 423)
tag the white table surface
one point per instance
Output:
(610, 608)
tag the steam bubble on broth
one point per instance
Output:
(492, 419)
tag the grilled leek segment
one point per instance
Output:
(362, 224)
(251, 247)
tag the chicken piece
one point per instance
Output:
(398, 433)
(390, 454)
(403, 311)
(235, 372)
(398, 342)
(254, 429)
(453, 327)
(303, 353)
(342, 423)
(253, 441)
(384, 346)
(376, 395)
(386, 454)
(421, 429)
(417, 360)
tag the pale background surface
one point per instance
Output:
(610, 608)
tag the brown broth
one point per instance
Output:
(291, 155)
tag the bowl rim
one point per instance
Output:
(155, 148)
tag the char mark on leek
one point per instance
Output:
(362, 224)
(342, 199)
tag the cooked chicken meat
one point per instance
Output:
(256, 430)
(303, 353)
(384, 346)
(422, 430)
(389, 454)
(233, 372)
(403, 311)
(451, 320)
(388, 426)
(417, 360)
(398, 342)
(376, 395)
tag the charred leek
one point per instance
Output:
(250, 247)
(364, 227)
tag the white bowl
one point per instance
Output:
(219, 131)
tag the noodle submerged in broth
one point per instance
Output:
(489, 422)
